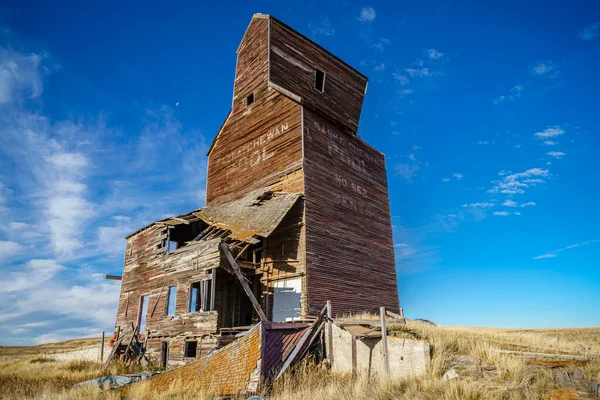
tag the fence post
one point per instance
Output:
(329, 334)
(386, 361)
(102, 348)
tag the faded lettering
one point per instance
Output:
(253, 151)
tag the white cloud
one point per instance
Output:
(8, 249)
(479, 205)
(501, 213)
(367, 14)
(379, 67)
(457, 176)
(18, 225)
(556, 154)
(406, 171)
(400, 78)
(514, 92)
(20, 78)
(433, 54)
(509, 203)
(415, 147)
(323, 27)
(418, 72)
(528, 204)
(550, 142)
(445, 179)
(517, 183)
(30, 275)
(544, 69)
(590, 31)
(547, 255)
(550, 132)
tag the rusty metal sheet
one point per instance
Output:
(256, 214)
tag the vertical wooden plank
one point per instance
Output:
(102, 348)
(329, 333)
(213, 288)
(384, 342)
(354, 354)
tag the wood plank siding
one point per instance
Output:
(350, 252)
(293, 60)
(292, 191)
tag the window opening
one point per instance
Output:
(171, 301)
(191, 348)
(195, 298)
(319, 80)
(142, 313)
(249, 99)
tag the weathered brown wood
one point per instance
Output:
(384, 342)
(102, 348)
(243, 281)
(329, 333)
(354, 356)
(114, 277)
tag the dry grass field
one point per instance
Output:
(485, 373)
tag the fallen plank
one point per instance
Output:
(531, 354)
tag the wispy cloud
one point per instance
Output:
(457, 176)
(379, 67)
(517, 183)
(590, 31)
(544, 69)
(20, 76)
(400, 78)
(556, 154)
(550, 132)
(549, 142)
(554, 254)
(479, 205)
(406, 171)
(509, 203)
(514, 93)
(547, 255)
(505, 213)
(433, 54)
(367, 14)
(323, 27)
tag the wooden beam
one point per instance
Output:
(213, 288)
(386, 359)
(329, 333)
(354, 371)
(243, 281)
(114, 277)
(102, 348)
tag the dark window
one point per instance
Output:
(164, 354)
(190, 349)
(207, 289)
(195, 298)
(250, 99)
(319, 80)
(171, 300)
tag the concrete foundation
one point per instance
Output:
(407, 357)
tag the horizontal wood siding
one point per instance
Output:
(148, 271)
(350, 252)
(293, 60)
(255, 149)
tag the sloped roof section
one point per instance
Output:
(256, 214)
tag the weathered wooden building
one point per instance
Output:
(293, 195)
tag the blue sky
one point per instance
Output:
(487, 113)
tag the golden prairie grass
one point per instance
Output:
(30, 373)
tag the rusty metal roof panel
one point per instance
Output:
(256, 214)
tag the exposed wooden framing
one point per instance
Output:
(243, 251)
(384, 341)
(354, 356)
(329, 333)
(243, 281)
(157, 300)
(213, 289)
(114, 277)
(102, 348)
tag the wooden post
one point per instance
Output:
(386, 360)
(354, 371)
(329, 333)
(242, 279)
(102, 348)
(213, 287)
